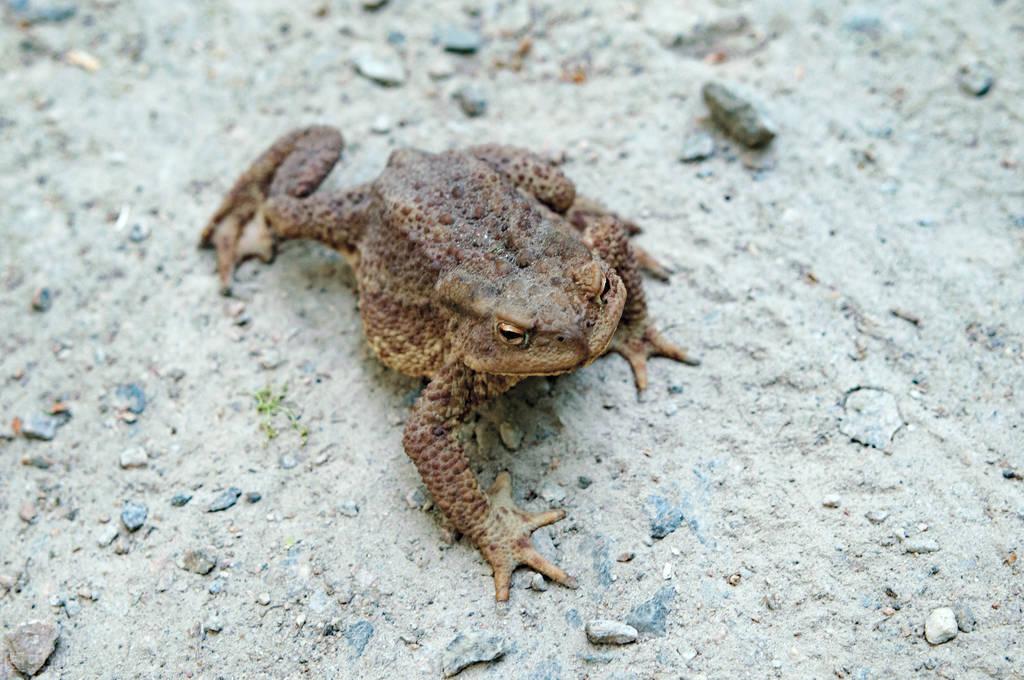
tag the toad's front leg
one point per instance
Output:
(500, 530)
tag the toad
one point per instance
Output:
(476, 268)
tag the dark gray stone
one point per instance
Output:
(358, 636)
(649, 617)
(965, 619)
(665, 518)
(133, 515)
(180, 500)
(739, 115)
(227, 498)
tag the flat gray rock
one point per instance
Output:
(470, 648)
(871, 417)
(383, 68)
(739, 115)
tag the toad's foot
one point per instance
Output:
(638, 346)
(504, 539)
(293, 167)
(237, 236)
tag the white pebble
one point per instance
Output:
(606, 632)
(940, 626)
(135, 457)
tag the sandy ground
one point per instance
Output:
(888, 188)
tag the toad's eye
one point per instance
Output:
(606, 288)
(510, 333)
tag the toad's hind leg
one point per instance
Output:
(636, 338)
(271, 202)
(586, 212)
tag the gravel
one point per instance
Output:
(42, 300)
(225, 499)
(131, 398)
(876, 516)
(511, 436)
(650, 617)
(665, 517)
(198, 561)
(30, 644)
(467, 649)
(134, 457)
(471, 100)
(940, 626)
(698, 146)
(133, 515)
(870, 417)
(348, 508)
(976, 79)
(920, 545)
(382, 67)
(106, 535)
(738, 115)
(459, 40)
(42, 427)
(180, 500)
(966, 621)
(607, 632)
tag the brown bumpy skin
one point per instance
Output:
(476, 269)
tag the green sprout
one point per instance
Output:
(270, 403)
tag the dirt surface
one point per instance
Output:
(878, 242)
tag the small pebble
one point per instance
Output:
(698, 146)
(471, 100)
(920, 545)
(134, 457)
(42, 300)
(383, 68)
(976, 79)
(213, 625)
(270, 359)
(253, 497)
(31, 644)
(538, 583)
(584, 482)
(133, 515)
(227, 498)
(348, 508)
(373, 5)
(940, 626)
(216, 586)
(511, 436)
(106, 535)
(876, 516)
(263, 599)
(870, 417)
(606, 632)
(381, 125)
(42, 427)
(138, 233)
(198, 561)
(470, 648)
(130, 397)
(459, 40)
(27, 512)
(441, 69)
(741, 117)
(831, 501)
(965, 619)
(180, 500)
(551, 492)
(626, 556)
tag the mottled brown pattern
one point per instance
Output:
(476, 269)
